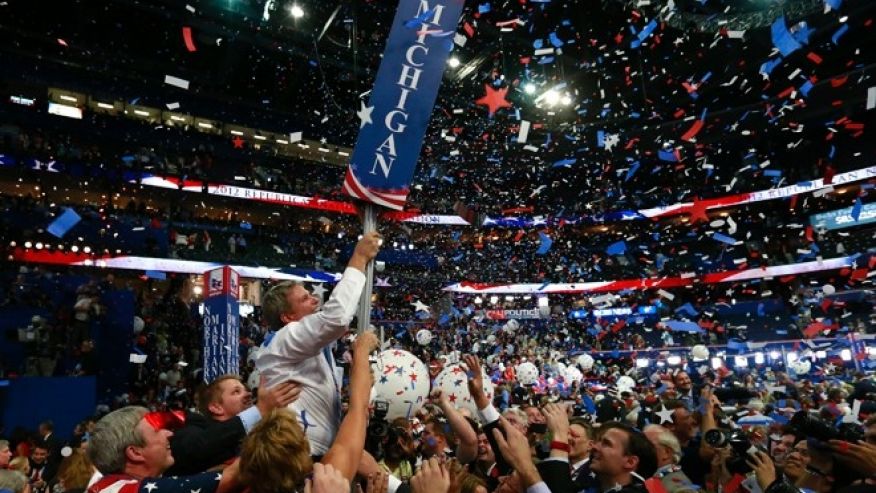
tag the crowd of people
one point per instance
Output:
(619, 427)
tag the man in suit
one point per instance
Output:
(622, 458)
(213, 436)
(580, 444)
(668, 456)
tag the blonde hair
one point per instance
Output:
(20, 464)
(75, 471)
(275, 456)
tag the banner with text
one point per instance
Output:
(221, 323)
(393, 124)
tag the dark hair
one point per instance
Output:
(637, 445)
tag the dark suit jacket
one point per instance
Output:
(203, 443)
(557, 475)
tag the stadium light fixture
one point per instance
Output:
(296, 11)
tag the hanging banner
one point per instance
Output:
(393, 124)
(221, 323)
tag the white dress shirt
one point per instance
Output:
(297, 352)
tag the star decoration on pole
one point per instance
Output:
(237, 142)
(494, 99)
(319, 291)
(664, 414)
(364, 114)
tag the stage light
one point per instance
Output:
(529, 88)
(39, 246)
(198, 290)
(74, 248)
(792, 357)
(453, 62)
(87, 249)
(821, 354)
(741, 361)
(846, 355)
(28, 244)
(717, 363)
(494, 299)
(775, 354)
(12, 243)
(673, 360)
(297, 12)
(643, 362)
(552, 97)
(566, 100)
(509, 298)
(758, 358)
(478, 300)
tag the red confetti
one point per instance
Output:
(693, 131)
(814, 58)
(187, 37)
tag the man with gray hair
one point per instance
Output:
(13, 481)
(668, 450)
(131, 448)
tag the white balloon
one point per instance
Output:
(801, 367)
(527, 373)
(453, 382)
(511, 326)
(828, 289)
(253, 381)
(625, 382)
(138, 324)
(424, 337)
(402, 381)
(699, 352)
(572, 374)
(585, 361)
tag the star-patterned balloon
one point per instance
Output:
(453, 382)
(585, 361)
(424, 337)
(402, 380)
(527, 373)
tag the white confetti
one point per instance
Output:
(176, 81)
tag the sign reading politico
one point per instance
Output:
(221, 323)
(394, 122)
(524, 314)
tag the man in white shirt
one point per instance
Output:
(300, 350)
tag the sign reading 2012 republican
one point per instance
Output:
(394, 122)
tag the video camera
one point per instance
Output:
(378, 429)
(809, 425)
(739, 443)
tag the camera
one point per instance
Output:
(378, 429)
(739, 444)
(810, 425)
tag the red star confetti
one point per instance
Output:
(494, 99)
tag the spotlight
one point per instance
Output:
(821, 354)
(643, 362)
(28, 244)
(494, 299)
(198, 290)
(566, 100)
(846, 355)
(12, 243)
(552, 97)
(453, 62)
(478, 300)
(74, 248)
(87, 249)
(529, 88)
(297, 12)
(673, 360)
(717, 363)
(758, 358)
(741, 361)
(775, 354)
(39, 246)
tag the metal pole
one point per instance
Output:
(369, 224)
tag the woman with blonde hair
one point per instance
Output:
(275, 456)
(74, 472)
